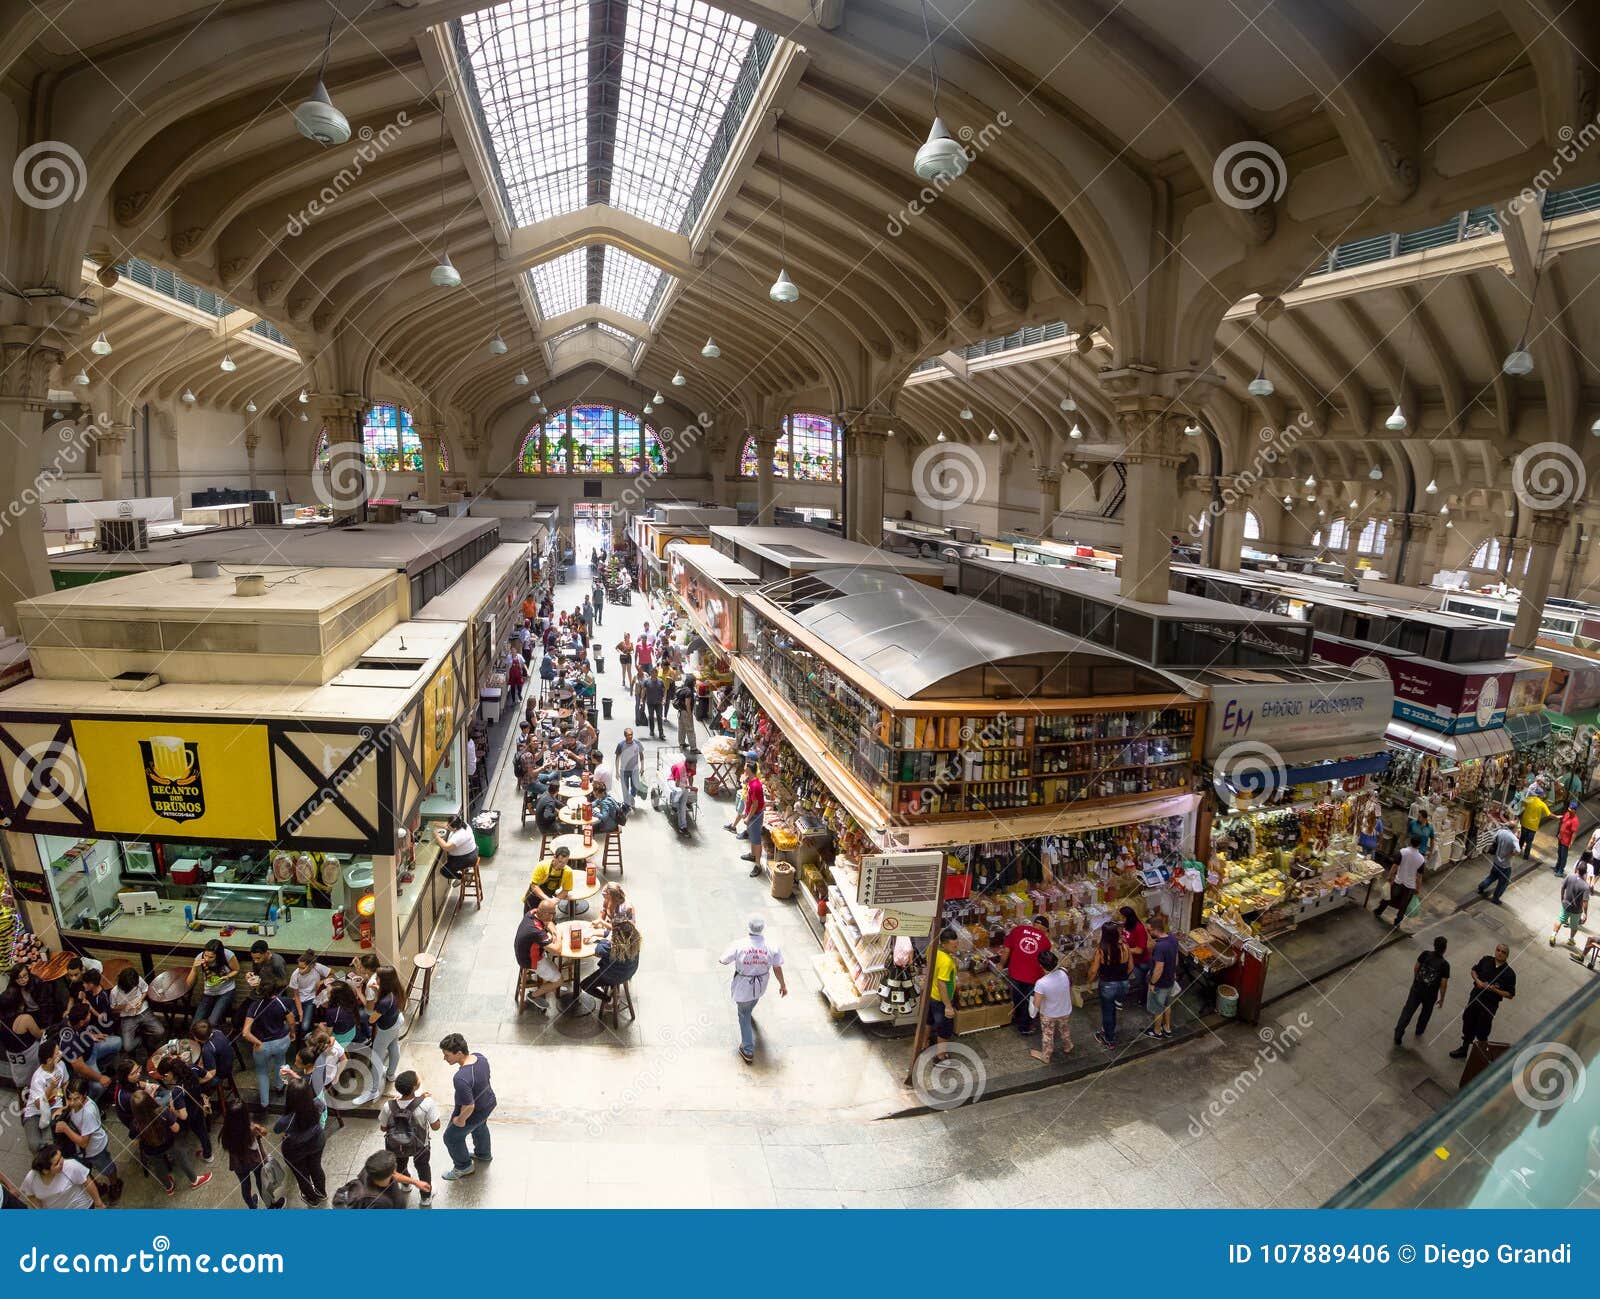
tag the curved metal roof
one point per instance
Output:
(911, 636)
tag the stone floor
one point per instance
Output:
(662, 1112)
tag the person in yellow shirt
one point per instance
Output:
(942, 1001)
(1534, 810)
(549, 880)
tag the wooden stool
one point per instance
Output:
(471, 884)
(544, 844)
(614, 1004)
(611, 852)
(527, 981)
(420, 985)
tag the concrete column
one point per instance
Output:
(1546, 535)
(717, 466)
(1419, 529)
(471, 452)
(1153, 438)
(432, 438)
(1227, 546)
(1049, 500)
(110, 444)
(252, 443)
(344, 483)
(766, 441)
(866, 436)
(27, 356)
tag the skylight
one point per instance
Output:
(562, 283)
(628, 283)
(596, 274)
(614, 332)
(605, 101)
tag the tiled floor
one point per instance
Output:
(662, 1112)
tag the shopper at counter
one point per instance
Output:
(1430, 978)
(1111, 965)
(1137, 936)
(217, 969)
(460, 847)
(266, 1029)
(1162, 988)
(942, 1004)
(1024, 945)
(1493, 981)
(1420, 829)
(265, 962)
(1052, 1003)
(387, 1018)
(1534, 811)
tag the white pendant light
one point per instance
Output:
(1396, 420)
(303, 398)
(1191, 430)
(101, 345)
(1075, 433)
(966, 412)
(319, 121)
(711, 351)
(1594, 429)
(303, 418)
(1432, 487)
(1260, 386)
(1518, 362)
(251, 405)
(1449, 523)
(940, 159)
(648, 408)
(521, 379)
(658, 398)
(1445, 508)
(81, 379)
(941, 437)
(678, 380)
(445, 275)
(783, 288)
(1311, 480)
(994, 435)
(534, 397)
(1068, 405)
(497, 345)
(1287, 503)
(188, 397)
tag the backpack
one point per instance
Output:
(355, 1194)
(406, 1134)
(1428, 971)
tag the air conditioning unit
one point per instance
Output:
(123, 534)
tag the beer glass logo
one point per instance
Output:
(172, 774)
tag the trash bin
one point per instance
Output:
(599, 663)
(782, 880)
(594, 717)
(605, 709)
(486, 830)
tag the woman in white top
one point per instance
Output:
(307, 981)
(1052, 1002)
(80, 1124)
(53, 1183)
(460, 846)
(47, 1093)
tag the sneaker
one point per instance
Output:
(1571, 941)
(749, 1057)
(755, 871)
(200, 1181)
(1553, 941)
(456, 1174)
(744, 856)
(1167, 1035)
(1152, 1032)
(170, 1187)
(1460, 1053)
(1398, 1040)
(211, 1155)
(483, 1159)
(425, 1202)
(1104, 1041)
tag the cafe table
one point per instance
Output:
(574, 957)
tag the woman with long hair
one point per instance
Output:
(240, 1137)
(386, 1015)
(616, 959)
(186, 1098)
(155, 1132)
(1111, 965)
(20, 1035)
(342, 1017)
(301, 1126)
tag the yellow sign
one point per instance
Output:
(438, 716)
(197, 779)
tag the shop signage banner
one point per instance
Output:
(194, 779)
(1348, 716)
(438, 715)
(1431, 694)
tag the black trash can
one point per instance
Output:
(605, 709)
(594, 717)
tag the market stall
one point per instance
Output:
(488, 598)
(1046, 776)
(146, 820)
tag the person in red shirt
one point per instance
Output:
(1024, 945)
(1142, 949)
(755, 806)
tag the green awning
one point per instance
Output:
(1527, 729)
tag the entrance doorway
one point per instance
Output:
(591, 530)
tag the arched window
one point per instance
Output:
(1338, 535)
(591, 439)
(1252, 526)
(1374, 537)
(389, 442)
(1486, 556)
(807, 450)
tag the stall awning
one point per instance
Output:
(1527, 729)
(1451, 748)
(1253, 767)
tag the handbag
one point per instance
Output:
(1414, 907)
(274, 1176)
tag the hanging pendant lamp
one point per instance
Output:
(444, 275)
(101, 345)
(710, 351)
(940, 159)
(783, 288)
(316, 118)
(227, 365)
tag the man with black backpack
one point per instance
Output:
(1429, 979)
(379, 1186)
(408, 1122)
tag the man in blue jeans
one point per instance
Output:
(1499, 876)
(474, 1103)
(753, 962)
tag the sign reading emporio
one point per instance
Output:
(1350, 714)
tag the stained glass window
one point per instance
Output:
(389, 442)
(628, 460)
(321, 459)
(749, 467)
(813, 448)
(654, 457)
(594, 446)
(557, 442)
(528, 459)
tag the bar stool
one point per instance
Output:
(613, 1003)
(611, 852)
(420, 985)
(471, 884)
(545, 836)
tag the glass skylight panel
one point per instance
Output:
(562, 283)
(614, 332)
(679, 67)
(530, 67)
(628, 283)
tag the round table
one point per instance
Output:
(571, 815)
(574, 959)
(572, 789)
(575, 845)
